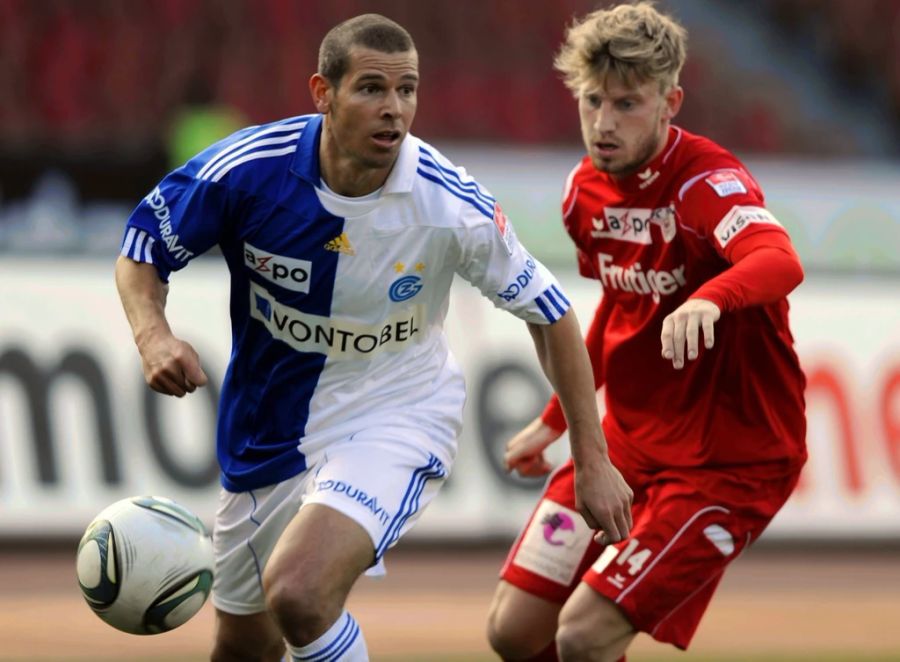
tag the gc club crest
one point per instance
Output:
(405, 287)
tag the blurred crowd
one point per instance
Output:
(106, 79)
(860, 40)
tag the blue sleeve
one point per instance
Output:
(181, 218)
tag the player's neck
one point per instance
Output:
(345, 175)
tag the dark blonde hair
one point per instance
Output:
(635, 42)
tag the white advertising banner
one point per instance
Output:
(79, 429)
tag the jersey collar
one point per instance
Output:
(651, 174)
(306, 160)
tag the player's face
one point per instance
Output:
(624, 127)
(370, 112)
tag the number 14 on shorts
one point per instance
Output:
(629, 560)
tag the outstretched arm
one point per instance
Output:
(765, 269)
(602, 496)
(171, 366)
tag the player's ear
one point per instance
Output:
(674, 97)
(321, 90)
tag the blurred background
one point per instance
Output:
(100, 98)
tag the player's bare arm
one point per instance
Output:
(682, 327)
(171, 366)
(602, 496)
(525, 451)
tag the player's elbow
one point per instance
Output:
(794, 274)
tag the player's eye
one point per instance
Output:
(625, 104)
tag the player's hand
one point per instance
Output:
(682, 327)
(525, 451)
(171, 366)
(604, 500)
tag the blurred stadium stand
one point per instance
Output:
(92, 88)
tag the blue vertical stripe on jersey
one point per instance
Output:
(444, 184)
(410, 503)
(562, 296)
(545, 309)
(452, 176)
(243, 145)
(551, 297)
(252, 156)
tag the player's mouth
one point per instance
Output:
(605, 148)
(386, 139)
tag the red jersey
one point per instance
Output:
(652, 239)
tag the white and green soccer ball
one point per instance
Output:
(145, 565)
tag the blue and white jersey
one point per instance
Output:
(337, 304)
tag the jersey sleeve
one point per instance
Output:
(181, 218)
(496, 263)
(727, 206)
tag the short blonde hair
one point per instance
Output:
(635, 42)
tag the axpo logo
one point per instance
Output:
(287, 272)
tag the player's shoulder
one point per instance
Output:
(450, 196)
(706, 166)
(252, 151)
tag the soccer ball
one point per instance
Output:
(145, 565)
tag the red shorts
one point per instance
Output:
(689, 524)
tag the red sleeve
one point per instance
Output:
(766, 268)
(724, 204)
(553, 414)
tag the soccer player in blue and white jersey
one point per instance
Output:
(342, 404)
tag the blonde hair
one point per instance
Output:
(635, 42)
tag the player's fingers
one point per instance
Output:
(678, 334)
(196, 376)
(709, 331)
(514, 456)
(666, 338)
(608, 534)
(623, 524)
(165, 384)
(589, 518)
(692, 331)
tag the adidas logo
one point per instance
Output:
(646, 174)
(340, 244)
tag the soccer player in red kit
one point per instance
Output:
(703, 389)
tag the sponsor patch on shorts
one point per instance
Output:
(554, 543)
(726, 183)
(739, 219)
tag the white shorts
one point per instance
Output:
(371, 477)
